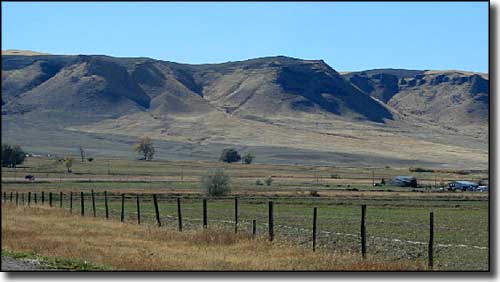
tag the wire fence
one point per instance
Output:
(395, 233)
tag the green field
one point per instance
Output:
(397, 218)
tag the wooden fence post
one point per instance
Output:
(235, 214)
(254, 228)
(82, 204)
(157, 211)
(22, 198)
(315, 221)
(138, 210)
(431, 240)
(271, 221)
(60, 199)
(4, 196)
(93, 202)
(17, 198)
(50, 199)
(29, 199)
(205, 216)
(43, 198)
(363, 231)
(34, 198)
(179, 213)
(122, 215)
(11, 196)
(70, 202)
(106, 204)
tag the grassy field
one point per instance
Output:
(116, 246)
(397, 218)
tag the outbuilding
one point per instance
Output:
(404, 181)
(462, 185)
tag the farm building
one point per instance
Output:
(462, 185)
(404, 181)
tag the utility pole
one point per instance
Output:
(373, 177)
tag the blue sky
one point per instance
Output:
(347, 35)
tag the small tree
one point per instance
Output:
(12, 155)
(248, 158)
(269, 181)
(82, 153)
(230, 156)
(90, 159)
(144, 147)
(68, 162)
(216, 183)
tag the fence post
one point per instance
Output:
(70, 202)
(254, 228)
(157, 211)
(271, 221)
(34, 198)
(205, 217)
(138, 210)
(315, 221)
(82, 204)
(11, 196)
(29, 199)
(122, 215)
(60, 199)
(93, 202)
(4, 197)
(43, 198)
(50, 199)
(236, 215)
(363, 231)
(106, 204)
(431, 240)
(22, 198)
(179, 213)
(17, 198)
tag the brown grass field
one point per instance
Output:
(117, 246)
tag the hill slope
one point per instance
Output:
(298, 108)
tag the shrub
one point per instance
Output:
(269, 181)
(90, 159)
(313, 193)
(248, 158)
(258, 182)
(216, 183)
(12, 155)
(230, 156)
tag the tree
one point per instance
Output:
(230, 156)
(248, 158)
(269, 181)
(144, 147)
(82, 153)
(68, 162)
(216, 183)
(12, 155)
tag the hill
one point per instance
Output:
(287, 109)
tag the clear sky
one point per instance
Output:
(347, 35)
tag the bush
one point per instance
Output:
(12, 155)
(230, 156)
(216, 183)
(269, 181)
(90, 159)
(313, 193)
(258, 182)
(248, 158)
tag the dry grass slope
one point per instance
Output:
(53, 232)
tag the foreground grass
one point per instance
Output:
(56, 233)
(55, 263)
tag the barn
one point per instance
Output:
(404, 181)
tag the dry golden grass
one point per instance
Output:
(56, 233)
